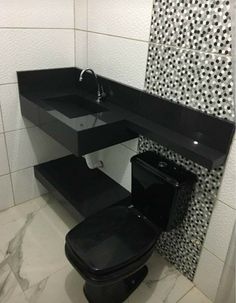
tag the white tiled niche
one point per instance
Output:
(112, 38)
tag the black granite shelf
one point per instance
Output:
(86, 190)
(127, 113)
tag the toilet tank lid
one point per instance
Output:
(164, 167)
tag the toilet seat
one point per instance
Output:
(111, 243)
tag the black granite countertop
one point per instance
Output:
(113, 114)
(127, 114)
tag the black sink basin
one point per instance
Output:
(74, 106)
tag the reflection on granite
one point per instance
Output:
(34, 269)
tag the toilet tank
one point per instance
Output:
(161, 190)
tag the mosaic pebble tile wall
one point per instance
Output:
(190, 62)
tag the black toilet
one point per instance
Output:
(110, 249)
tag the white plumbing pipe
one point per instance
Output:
(92, 162)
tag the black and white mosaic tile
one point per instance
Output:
(203, 25)
(183, 245)
(202, 81)
(189, 62)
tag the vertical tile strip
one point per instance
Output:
(190, 62)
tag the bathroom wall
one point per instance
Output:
(227, 288)
(33, 35)
(112, 38)
(189, 60)
(214, 256)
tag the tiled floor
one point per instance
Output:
(34, 269)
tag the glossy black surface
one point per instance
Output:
(109, 248)
(129, 112)
(161, 190)
(111, 239)
(117, 292)
(88, 191)
(74, 106)
(112, 277)
(81, 133)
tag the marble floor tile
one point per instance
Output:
(163, 284)
(10, 290)
(64, 286)
(19, 299)
(194, 296)
(21, 210)
(34, 269)
(159, 268)
(33, 246)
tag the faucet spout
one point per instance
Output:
(100, 91)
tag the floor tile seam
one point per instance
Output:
(193, 286)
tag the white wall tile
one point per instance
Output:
(220, 230)
(28, 147)
(117, 165)
(81, 13)
(132, 144)
(9, 100)
(1, 124)
(131, 19)
(120, 59)
(4, 168)
(34, 13)
(34, 49)
(81, 49)
(25, 186)
(227, 287)
(233, 16)
(6, 196)
(227, 192)
(208, 274)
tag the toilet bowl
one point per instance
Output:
(110, 248)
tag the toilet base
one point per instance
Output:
(117, 292)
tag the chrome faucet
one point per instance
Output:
(100, 91)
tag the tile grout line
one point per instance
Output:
(30, 28)
(21, 128)
(87, 41)
(150, 27)
(190, 49)
(74, 7)
(155, 44)
(135, 151)
(186, 293)
(7, 154)
(209, 251)
(111, 35)
(22, 203)
(226, 204)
